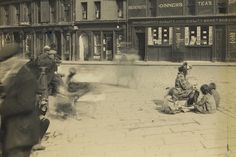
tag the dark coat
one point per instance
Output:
(19, 112)
(182, 87)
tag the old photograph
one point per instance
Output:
(117, 78)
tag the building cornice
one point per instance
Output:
(182, 17)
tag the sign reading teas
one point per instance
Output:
(205, 6)
(169, 7)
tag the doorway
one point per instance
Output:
(141, 45)
(220, 44)
(58, 43)
(108, 46)
(83, 47)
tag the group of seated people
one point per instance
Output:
(185, 96)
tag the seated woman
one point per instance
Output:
(183, 88)
(207, 103)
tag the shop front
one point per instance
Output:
(188, 38)
(100, 43)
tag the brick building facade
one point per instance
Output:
(95, 29)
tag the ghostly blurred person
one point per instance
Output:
(20, 113)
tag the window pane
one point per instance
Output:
(84, 10)
(97, 10)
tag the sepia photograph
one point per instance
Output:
(117, 78)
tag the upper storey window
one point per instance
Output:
(97, 9)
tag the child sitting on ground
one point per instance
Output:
(171, 105)
(207, 103)
(214, 92)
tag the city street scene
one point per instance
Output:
(117, 78)
(111, 120)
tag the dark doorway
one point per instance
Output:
(58, 43)
(141, 45)
(178, 45)
(220, 44)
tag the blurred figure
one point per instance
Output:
(207, 103)
(126, 70)
(74, 87)
(20, 116)
(214, 92)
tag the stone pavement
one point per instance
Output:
(116, 121)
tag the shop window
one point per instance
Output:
(222, 6)
(198, 35)
(160, 36)
(119, 40)
(120, 8)
(97, 9)
(8, 38)
(84, 10)
(191, 7)
(97, 46)
(28, 45)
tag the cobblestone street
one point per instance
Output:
(120, 121)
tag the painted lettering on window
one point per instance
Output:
(205, 3)
(170, 5)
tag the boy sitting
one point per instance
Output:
(214, 92)
(207, 103)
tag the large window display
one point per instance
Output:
(198, 35)
(160, 36)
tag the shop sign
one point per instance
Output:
(210, 35)
(198, 35)
(205, 3)
(187, 21)
(232, 40)
(170, 5)
(137, 7)
(205, 7)
(232, 37)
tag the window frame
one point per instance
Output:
(160, 36)
(203, 36)
(97, 5)
(84, 8)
